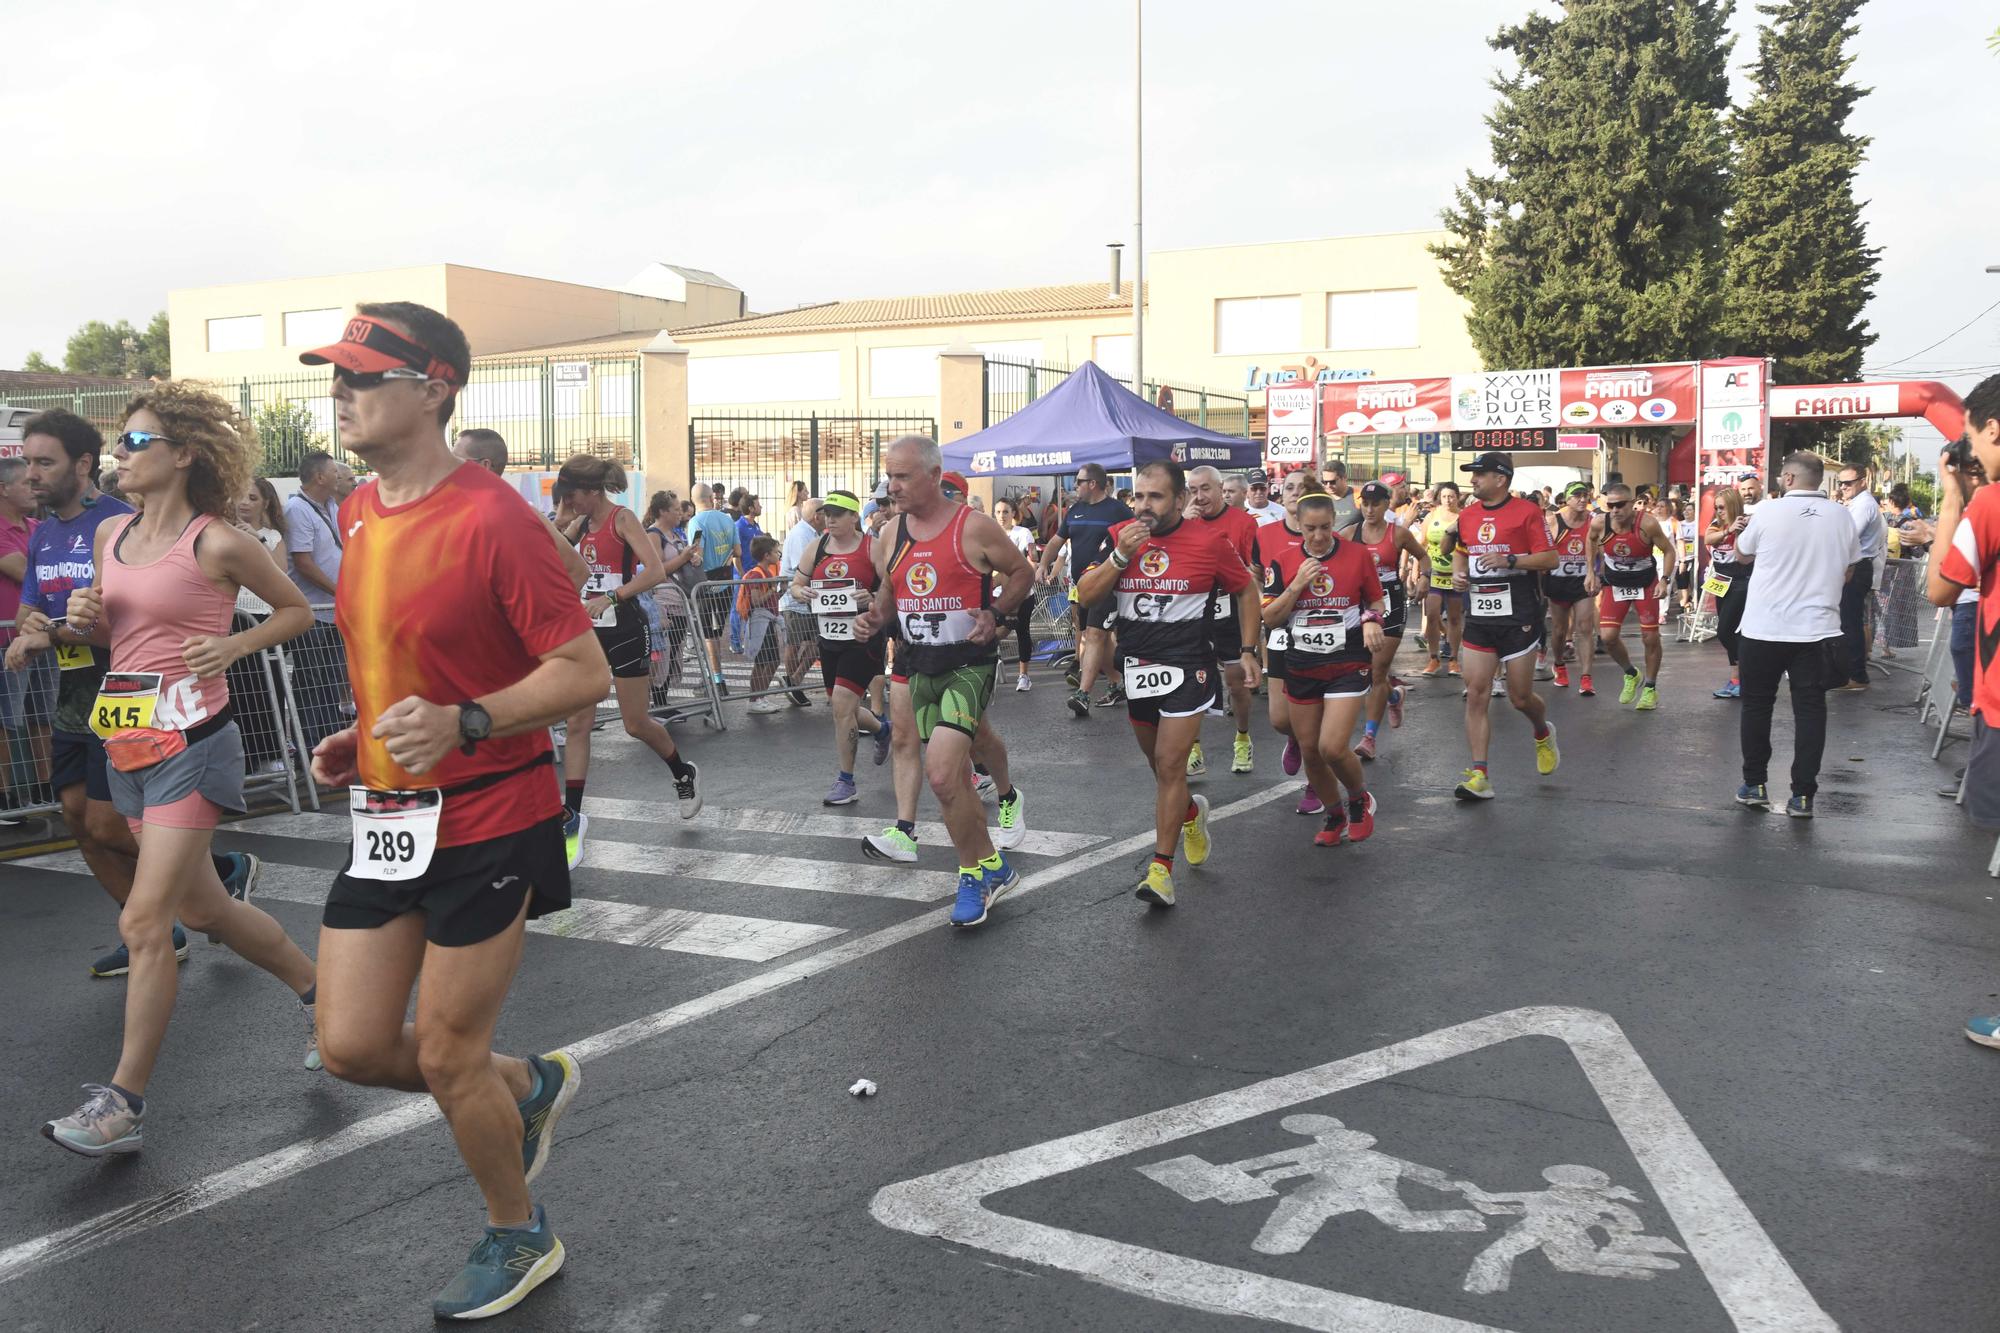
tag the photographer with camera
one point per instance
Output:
(1966, 558)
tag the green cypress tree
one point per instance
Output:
(1598, 236)
(1800, 272)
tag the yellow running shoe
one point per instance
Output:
(1196, 764)
(1244, 753)
(1630, 688)
(1547, 756)
(1475, 786)
(1194, 833)
(1157, 888)
(1649, 699)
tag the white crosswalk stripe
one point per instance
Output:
(713, 934)
(743, 868)
(1037, 843)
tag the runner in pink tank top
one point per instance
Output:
(170, 575)
(154, 609)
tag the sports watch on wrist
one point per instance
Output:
(475, 724)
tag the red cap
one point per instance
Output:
(1393, 479)
(367, 345)
(952, 481)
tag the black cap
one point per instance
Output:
(1257, 477)
(1491, 461)
(1374, 491)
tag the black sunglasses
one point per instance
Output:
(372, 379)
(1617, 504)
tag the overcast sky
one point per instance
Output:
(811, 151)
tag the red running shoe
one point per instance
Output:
(1584, 687)
(1366, 749)
(1395, 701)
(1562, 677)
(1361, 818)
(1329, 834)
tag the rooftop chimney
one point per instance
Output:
(1117, 249)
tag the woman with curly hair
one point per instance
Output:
(167, 584)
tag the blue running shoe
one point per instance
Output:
(884, 736)
(1001, 882)
(506, 1264)
(241, 881)
(970, 909)
(1800, 807)
(119, 961)
(1985, 1031)
(1755, 795)
(1733, 690)
(561, 1078)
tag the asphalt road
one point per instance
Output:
(1736, 1035)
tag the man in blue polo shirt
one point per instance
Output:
(63, 452)
(1086, 529)
(715, 532)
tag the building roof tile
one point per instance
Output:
(1073, 298)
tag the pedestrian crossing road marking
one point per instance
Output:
(1037, 843)
(712, 934)
(1754, 1284)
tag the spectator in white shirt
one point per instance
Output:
(1804, 547)
(800, 634)
(1856, 597)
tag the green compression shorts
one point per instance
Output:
(957, 698)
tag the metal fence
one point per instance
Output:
(547, 408)
(767, 453)
(1012, 385)
(261, 698)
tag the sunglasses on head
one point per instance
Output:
(139, 441)
(372, 379)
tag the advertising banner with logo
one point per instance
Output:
(1504, 400)
(1291, 422)
(1386, 407)
(1658, 395)
(1835, 401)
(1735, 427)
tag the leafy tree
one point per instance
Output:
(286, 430)
(37, 362)
(115, 350)
(1869, 444)
(1800, 272)
(1598, 236)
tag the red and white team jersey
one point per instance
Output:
(1167, 594)
(832, 582)
(1974, 562)
(1324, 629)
(1489, 534)
(1573, 544)
(1628, 558)
(937, 595)
(611, 563)
(1386, 553)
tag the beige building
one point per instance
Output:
(259, 328)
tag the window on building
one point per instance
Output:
(238, 333)
(312, 328)
(1113, 354)
(1256, 324)
(1365, 321)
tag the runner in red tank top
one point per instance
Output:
(1208, 505)
(1273, 539)
(939, 560)
(1572, 582)
(1626, 540)
(1331, 606)
(1387, 543)
(1167, 572)
(1503, 544)
(836, 581)
(613, 545)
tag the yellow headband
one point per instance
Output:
(852, 506)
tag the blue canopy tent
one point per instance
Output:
(1092, 418)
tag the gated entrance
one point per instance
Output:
(767, 453)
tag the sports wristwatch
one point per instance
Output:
(475, 724)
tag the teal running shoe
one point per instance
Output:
(506, 1265)
(104, 1125)
(561, 1078)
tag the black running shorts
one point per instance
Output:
(469, 894)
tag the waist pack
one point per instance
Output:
(136, 748)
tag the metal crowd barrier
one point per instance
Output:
(260, 692)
